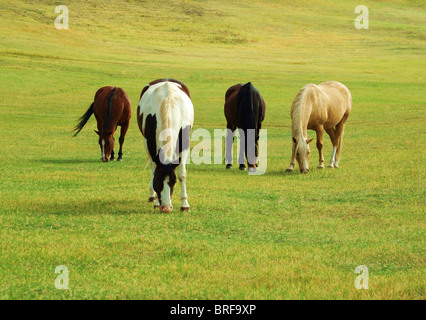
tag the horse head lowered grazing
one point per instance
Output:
(321, 107)
(302, 151)
(165, 118)
(111, 107)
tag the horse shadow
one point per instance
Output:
(68, 161)
(97, 207)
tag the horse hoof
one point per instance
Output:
(228, 166)
(289, 170)
(120, 159)
(151, 199)
(321, 167)
(185, 209)
(330, 166)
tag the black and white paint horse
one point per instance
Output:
(165, 119)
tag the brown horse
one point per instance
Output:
(321, 107)
(244, 109)
(111, 108)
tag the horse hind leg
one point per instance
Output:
(320, 133)
(230, 135)
(339, 148)
(243, 148)
(333, 137)
(184, 207)
(123, 132)
(152, 194)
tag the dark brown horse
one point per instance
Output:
(112, 109)
(244, 109)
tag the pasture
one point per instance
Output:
(275, 236)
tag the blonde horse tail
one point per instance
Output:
(165, 111)
(166, 118)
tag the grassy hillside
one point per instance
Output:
(276, 236)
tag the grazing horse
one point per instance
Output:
(165, 119)
(319, 107)
(244, 109)
(111, 108)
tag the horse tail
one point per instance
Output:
(83, 119)
(245, 107)
(166, 116)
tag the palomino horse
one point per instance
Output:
(319, 107)
(111, 108)
(245, 109)
(165, 119)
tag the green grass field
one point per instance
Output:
(275, 236)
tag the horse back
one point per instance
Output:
(183, 86)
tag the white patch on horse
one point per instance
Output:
(166, 200)
(103, 148)
(333, 157)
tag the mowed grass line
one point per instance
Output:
(276, 236)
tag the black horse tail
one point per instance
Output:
(245, 107)
(83, 119)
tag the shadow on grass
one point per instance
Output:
(97, 207)
(68, 161)
(234, 171)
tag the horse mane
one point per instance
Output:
(297, 108)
